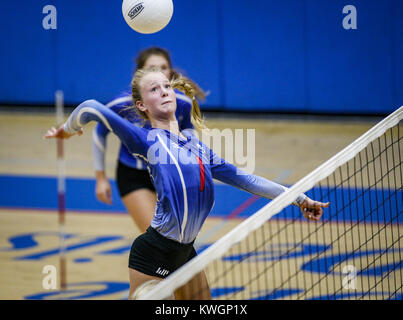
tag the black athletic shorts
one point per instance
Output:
(130, 179)
(155, 255)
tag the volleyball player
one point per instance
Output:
(182, 169)
(133, 180)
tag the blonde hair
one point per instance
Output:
(178, 82)
(198, 92)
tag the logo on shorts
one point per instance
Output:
(135, 11)
(162, 272)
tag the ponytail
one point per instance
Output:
(187, 87)
(198, 92)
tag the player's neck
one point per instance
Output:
(170, 125)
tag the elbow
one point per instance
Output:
(89, 102)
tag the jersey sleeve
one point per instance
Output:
(230, 174)
(99, 135)
(132, 136)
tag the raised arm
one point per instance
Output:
(228, 173)
(91, 110)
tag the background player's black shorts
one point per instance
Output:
(130, 179)
(155, 255)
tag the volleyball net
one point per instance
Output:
(353, 252)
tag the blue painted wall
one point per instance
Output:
(261, 55)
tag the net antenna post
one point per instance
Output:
(61, 191)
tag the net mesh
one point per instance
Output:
(353, 252)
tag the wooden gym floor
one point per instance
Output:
(287, 148)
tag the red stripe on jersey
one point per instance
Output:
(202, 178)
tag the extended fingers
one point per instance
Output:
(325, 205)
(317, 205)
(51, 133)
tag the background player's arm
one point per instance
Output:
(103, 189)
(99, 135)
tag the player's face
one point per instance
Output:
(160, 62)
(158, 97)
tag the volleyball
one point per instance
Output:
(147, 16)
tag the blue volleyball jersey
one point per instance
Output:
(182, 168)
(120, 105)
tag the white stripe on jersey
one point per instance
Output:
(139, 164)
(185, 198)
(119, 100)
(96, 112)
(135, 155)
